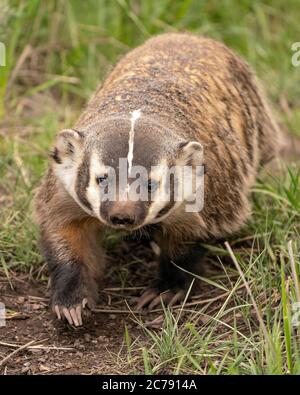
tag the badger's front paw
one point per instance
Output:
(160, 293)
(72, 313)
(71, 302)
(153, 298)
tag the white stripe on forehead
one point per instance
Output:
(135, 115)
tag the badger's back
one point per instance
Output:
(204, 91)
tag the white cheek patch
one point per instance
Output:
(67, 174)
(161, 197)
(135, 115)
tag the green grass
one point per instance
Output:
(57, 52)
(226, 336)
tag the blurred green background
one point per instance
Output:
(58, 51)
(69, 46)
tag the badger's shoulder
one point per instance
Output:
(52, 203)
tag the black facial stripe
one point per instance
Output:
(79, 133)
(70, 148)
(54, 155)
(172, 202)
(82, 182)
(182, 145)
(165, 209)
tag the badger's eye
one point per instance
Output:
(102, 180)
(152, 186)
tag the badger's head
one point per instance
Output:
(127, 170)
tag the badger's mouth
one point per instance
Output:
(124, 226)
(123, 215)
(127, 231)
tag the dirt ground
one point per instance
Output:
(55, 348)
(35, 342)
(52, 347)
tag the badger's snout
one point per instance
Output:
(124, 215)
(122, 218)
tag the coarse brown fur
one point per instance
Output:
(197, 89)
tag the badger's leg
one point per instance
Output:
(76, 262)
(174, 278)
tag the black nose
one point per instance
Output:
(120, 219)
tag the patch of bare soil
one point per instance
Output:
(35, 342)
(52, 346)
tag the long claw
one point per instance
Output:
(74, 316)
(84, 302)
(78, 312)
(157, 323)
(145, 299)
(178, 297)
(152, 298)
(162, 298)
(67, 315)
(57, 311)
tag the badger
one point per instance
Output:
(178, 100)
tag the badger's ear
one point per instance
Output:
(190, 153)
(67, 144)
